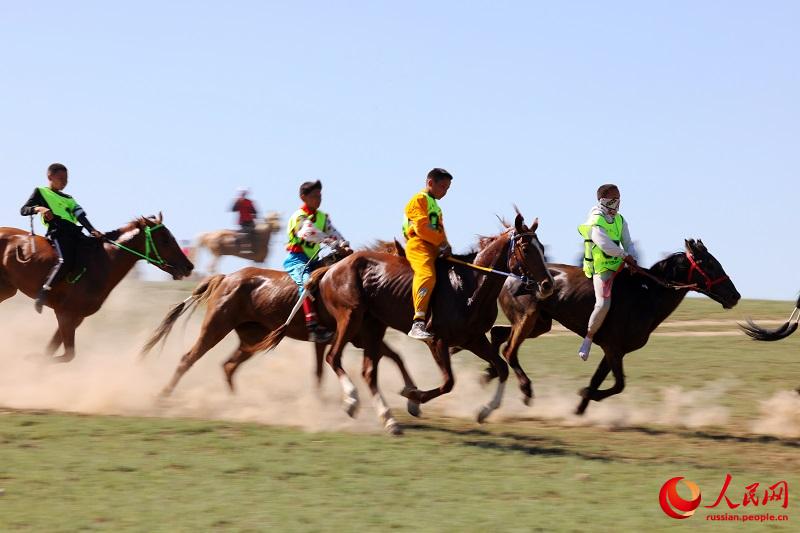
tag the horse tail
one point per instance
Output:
(199, 295)
(759, 333)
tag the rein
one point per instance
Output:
(149, 247)
(680, 286)
(524, 279)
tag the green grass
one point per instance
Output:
(63, 472)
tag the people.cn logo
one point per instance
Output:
(675, 506)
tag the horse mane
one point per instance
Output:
(380, 246)
(138, 222)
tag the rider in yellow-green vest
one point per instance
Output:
(61, 214)
(426, 240)
(309, 228)
(607, 246)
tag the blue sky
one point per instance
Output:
(691, 107)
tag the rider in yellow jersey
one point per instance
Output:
(426, 240)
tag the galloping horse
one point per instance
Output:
(226, 242)
(369, 291)
(105, 266)
(253, 302)
(640, 302)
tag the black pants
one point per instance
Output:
(65, 243)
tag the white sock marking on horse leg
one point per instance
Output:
(349, 390)
(498, 395)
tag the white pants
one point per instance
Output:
(602, 300)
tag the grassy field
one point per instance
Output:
(534, 469)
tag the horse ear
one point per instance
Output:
(518, 223)
(141, 221)
(505, 224)
(535, 224)
(701, 246)
(160, 218)
(689, 245)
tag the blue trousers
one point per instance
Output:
(295, 266)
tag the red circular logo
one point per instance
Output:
(675, 506)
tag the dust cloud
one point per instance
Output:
(107, 377)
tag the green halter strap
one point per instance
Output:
(149, 247)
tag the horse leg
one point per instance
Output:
(319, 360)
(519, 332)
(441, 354)
(498, 335)
(7, 290)
(483, 349)
(54, 343)
(249, 334)
(347, 325)
(215, 328)
(588, 393)
(371, 337)
(67, 324)
(408, 382)
(615, 362)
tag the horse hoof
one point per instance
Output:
(413, 409)
(413, 395)
(393, 428)
(484, 413)
(351, 408)
(527, 400)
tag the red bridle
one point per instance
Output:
(709, 282)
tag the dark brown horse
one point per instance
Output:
(368, 292)
(253, 302)
(105, 265)
(640, 302)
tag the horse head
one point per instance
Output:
(161, 249)
(709, 276)
(526, 256)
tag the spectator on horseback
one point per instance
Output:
(60, 214)
(308, 229)
(426, 240)
(247, 216)
(607, 246)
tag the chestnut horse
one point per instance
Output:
(368, 292)
(105, 265)
(641, 300)
(253, 302)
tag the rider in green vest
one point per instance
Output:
(607, 246)
(61, 215)
(309, 228)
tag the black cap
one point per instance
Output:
(439, 174)
(310, 186)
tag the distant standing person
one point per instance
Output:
(247, 217)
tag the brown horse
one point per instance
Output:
(640, 302)
(253, 302)
(105, 266)
(227, 242)
(369, 291)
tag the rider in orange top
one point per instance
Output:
(426, 240)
